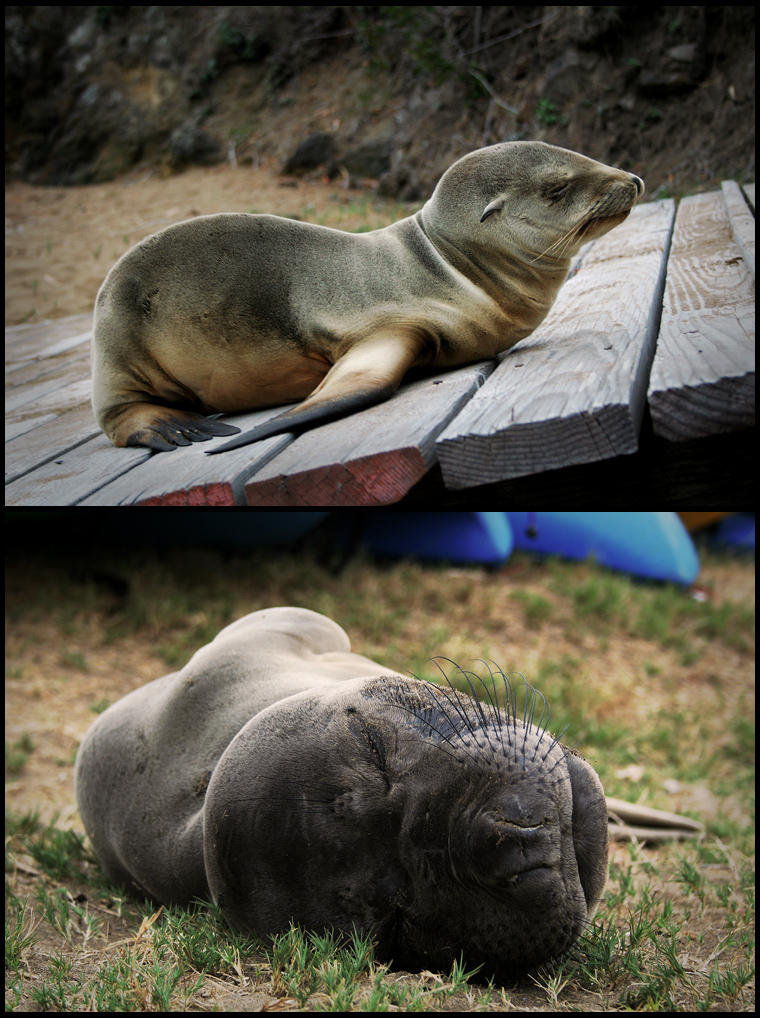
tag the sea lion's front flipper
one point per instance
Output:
(629, 821)
(367, 374)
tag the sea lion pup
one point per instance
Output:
(289, 779)
(229, 313)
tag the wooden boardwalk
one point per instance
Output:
(656, 322)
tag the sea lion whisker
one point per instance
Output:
(490, 691)
(560, 242)
(556, 742)
(440, 691)
(461, 709)
(488, 724)
(567, 239)
(433, 728)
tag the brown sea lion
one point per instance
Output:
(230, 313)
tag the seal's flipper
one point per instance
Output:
(589, 828)
(367, 374)
(629, 821)
(302, 417)
(165, 428)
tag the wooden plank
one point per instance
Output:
(703, 378)
(574, 391)
(27, 343)
(68, 477)
(373, 457)
(96, 473)
(742, 221)
(56, 386)
(41, 360)
(49, 428)
(186, 476)
(37, 380)
(47, 397)
(713, 472)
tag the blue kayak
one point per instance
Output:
(458, 537)
(656, 545)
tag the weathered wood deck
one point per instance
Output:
(657, 321)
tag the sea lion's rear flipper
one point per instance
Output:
(164, 428)
(629, 821)
(367, 374)
(159, 427)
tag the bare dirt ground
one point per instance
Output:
(60, 242)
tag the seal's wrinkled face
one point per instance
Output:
(442, 826)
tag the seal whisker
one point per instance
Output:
(512, 701)
(491, 691)
(433, 685)
(567, 240)
(476, 700)
(488, 725)
(459, 708)
(432, 727)
(510, 698)
(542, 728)
(556, 742)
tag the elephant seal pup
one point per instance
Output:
(229, 313)
(290, 779)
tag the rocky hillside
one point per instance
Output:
(386, 95)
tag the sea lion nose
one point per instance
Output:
(639, 184)
(509, 850)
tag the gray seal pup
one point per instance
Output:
(292, 780)
(231, 313)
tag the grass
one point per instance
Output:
(657, 688)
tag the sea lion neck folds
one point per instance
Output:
(230, 313)
(292, 780)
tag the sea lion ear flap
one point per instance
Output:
(590, 833)
(495, 206)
